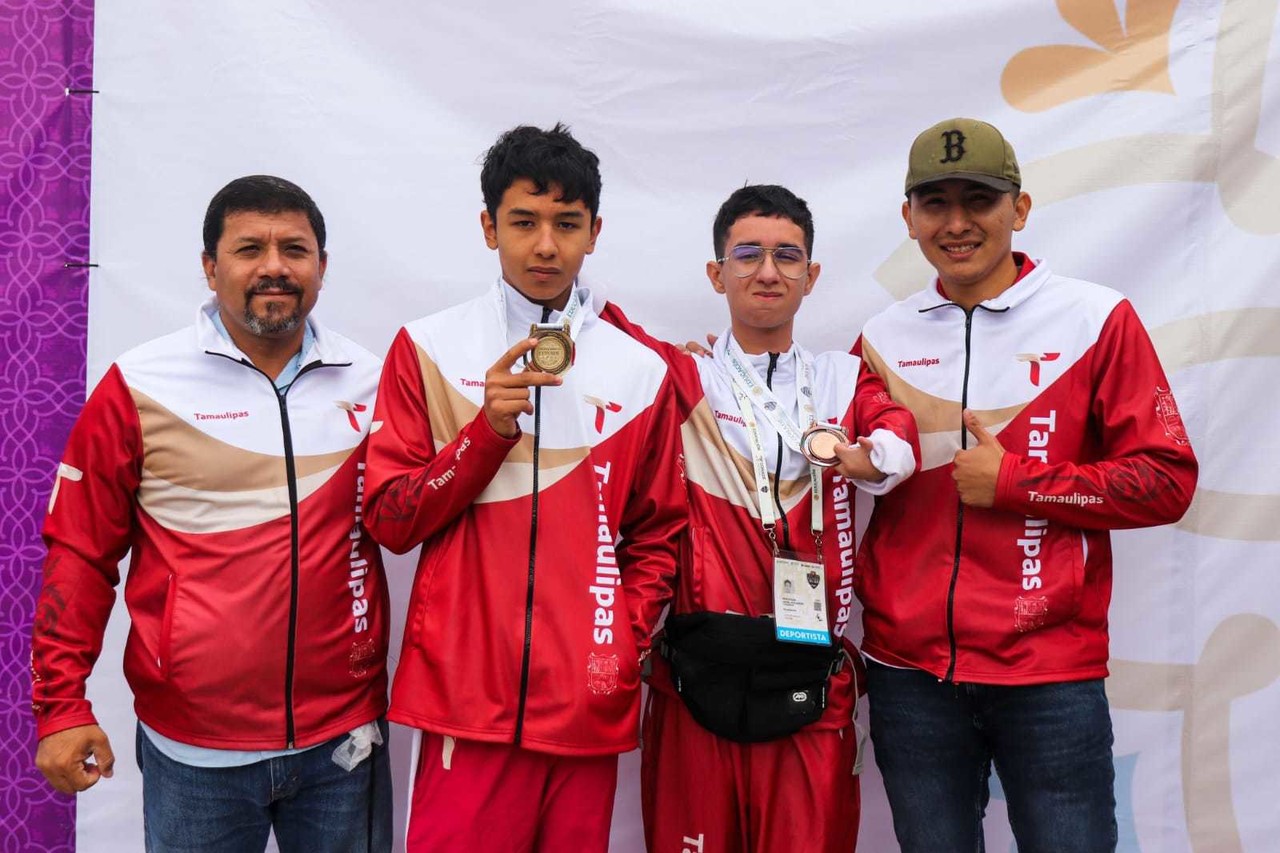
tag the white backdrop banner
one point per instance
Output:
(1148, 131)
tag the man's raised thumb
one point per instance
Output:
(979, 431)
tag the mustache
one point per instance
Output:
(279, 285)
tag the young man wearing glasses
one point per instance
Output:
(548, 503)
(749, 741)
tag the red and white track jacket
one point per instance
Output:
(531, 608)
(1065, 375)
(258, 602)
(726, 565)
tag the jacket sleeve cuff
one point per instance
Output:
(892, 457)
(488, 437)
(69, 719)
(1004, 498)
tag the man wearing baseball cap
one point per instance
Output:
(1045, 421)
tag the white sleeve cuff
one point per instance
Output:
(892, 457)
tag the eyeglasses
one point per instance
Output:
(790, 261)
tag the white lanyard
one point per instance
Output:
(750, 392)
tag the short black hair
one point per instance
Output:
(259, 194)
(545, 157)
(762, 200)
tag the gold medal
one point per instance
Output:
(553, 353)
(818, 444)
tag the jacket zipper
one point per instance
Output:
(533, 550)
(964, 444)
(777, 471)
(291, 477)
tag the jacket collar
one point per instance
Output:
(326, 349)
(520, 312)
(1020, 291)
(784, 371)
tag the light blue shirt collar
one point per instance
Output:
(290, 372)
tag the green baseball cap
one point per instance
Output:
(963, 148)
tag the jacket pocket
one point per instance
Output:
(165, 660)
(420, 599)
(630, 652)
(1079, 561)
(1052, 580)
(697, 556)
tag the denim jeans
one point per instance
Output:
(313, 805)
(935, 743)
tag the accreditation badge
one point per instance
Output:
(553, 352)
(800, 599)
(818, 444)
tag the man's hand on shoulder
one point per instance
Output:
(977, 469)
(695, 348)
(63, 758)
(506, 394)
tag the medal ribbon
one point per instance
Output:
(573, 316)
(752, 393)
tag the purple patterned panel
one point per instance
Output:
(46, 48)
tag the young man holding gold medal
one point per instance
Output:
(548, 502)
(749, 738)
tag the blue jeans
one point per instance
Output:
(313, 805)
(935, 743)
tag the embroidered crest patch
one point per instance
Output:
(1167, 412)
(602, 673)
(1030, 612)
(363, 657)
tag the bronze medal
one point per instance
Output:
(553, 353)
(818, 444)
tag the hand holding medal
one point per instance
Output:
(506, 394)
(853, 461)
(819, 442)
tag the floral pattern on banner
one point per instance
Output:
(46, 48)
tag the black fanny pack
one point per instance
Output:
(739, 682)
